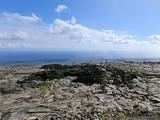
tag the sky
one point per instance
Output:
(80, 25)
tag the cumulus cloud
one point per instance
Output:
(128, 36)
(76, 31)
(20, 35)
(68, 32)
(17, 16)
(84, 34)
(61, 8)
(155, 37)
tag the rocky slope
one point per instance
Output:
(74, 92)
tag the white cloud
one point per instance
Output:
(108, 31)
(16, 45)
(44, 46)
(24, 45)
(27, 45)
(61, 8)
(64, 35)
(5, 35)
(155, 37)
(154, 42)
(11, 45)
(128, 36)
(84, 34)
(17, 16)
(20, 35)
(73, 20)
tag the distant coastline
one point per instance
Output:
(70, 61)
(30, 58)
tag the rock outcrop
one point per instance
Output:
(133, 92)
(86, 73)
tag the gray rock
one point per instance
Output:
(154, 99)
(38, 110)
(64, 95)
(32, 118)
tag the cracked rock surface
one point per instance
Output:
(132, 92)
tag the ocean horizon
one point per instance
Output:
(29, 58)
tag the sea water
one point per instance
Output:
(18, 58)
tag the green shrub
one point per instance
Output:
(104, 82)
(148, 91)
(158, 110)
(144, 62)
(122, 116)
(8, 72)
(46, 82)
(103, 117)
(43, 89)
(78, 107)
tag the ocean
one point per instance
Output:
(29, 58)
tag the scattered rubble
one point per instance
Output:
(74, 92)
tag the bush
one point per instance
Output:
(43, 89)
(144, 62)
(104, 82)
(148, 91)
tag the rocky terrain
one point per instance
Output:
(75, 92)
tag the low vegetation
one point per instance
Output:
(144, 62)
(148, 91)
(43, 88)
(78, 107)
(11, 70)
(104, 82)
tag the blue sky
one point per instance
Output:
(128, 25)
